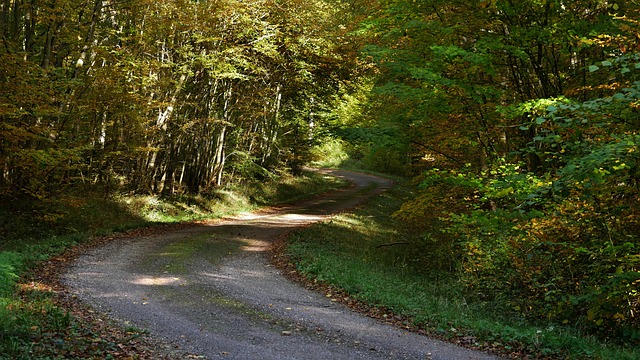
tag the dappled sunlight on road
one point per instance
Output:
(277, 218)
(247, 217)
(216, 276)
(250, 273)
(255, 245)
(302, 217)
(211, 289)
(156, 281)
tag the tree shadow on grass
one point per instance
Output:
(65, 217)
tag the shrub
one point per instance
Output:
(565, 259)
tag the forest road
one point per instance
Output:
(210, 290)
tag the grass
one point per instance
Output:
(32, 325)
(381, 263)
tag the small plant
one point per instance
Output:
(8, 262)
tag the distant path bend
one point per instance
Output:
(210, 290)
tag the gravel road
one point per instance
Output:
(209, 289)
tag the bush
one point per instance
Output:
(565, 260)
(387, 159)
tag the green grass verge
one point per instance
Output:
(31, 325)
(377, 261)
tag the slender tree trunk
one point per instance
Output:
(88, 39)
(29, 32)
(169, 174)
(220, 156)
(17, 15)
(4, 15)
(48, 48)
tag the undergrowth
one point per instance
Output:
(383, 263)
(35, 230)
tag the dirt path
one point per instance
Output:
(210, 290)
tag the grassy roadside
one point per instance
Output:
(371, 259)
(33, 322)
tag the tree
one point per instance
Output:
(160, 97)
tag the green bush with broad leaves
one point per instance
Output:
(558, 242)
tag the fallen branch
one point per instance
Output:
(392, 244)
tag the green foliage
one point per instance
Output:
(163, 98)
(26, 327)
(330, 153)
(391, 265)
(286, 188)
(50, 225)
(383, 149)
(530, 111)
(560, 246)
(568, 261)
(8, 263)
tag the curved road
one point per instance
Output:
(209, 289)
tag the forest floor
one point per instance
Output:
(211, 290)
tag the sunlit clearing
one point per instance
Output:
(151, 281)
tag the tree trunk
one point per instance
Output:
(88, 39)
(220, 156)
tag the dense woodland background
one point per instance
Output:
(519, 121)
(161, 96)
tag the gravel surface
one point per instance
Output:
(209, 290)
